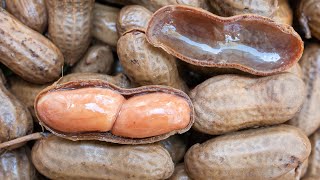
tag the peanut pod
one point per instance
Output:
(309, 17)
(58, 158)
(314, 159)
(28, 53)
(32, 13)
(308, 119)
(231, 102)
(266, 153)
(70, 27)
(250, 43)
(179, 173)
(176, 147)
(98, 110)
(16, 164)
(15, 120)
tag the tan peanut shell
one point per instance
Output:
(70, 27)
(308, 118)
(133, 17)
(98, 59)
(179, 173)
(127, 93)
(314, 159)
(145, 64)
(27, 92)
(228, 103)
(296, 69)
(248, 42)
(104, 24)
(16, 164)
(265, 153)
(309, 18)
(26, 52)
(32, 13)
(296, 173)
(15, 119)
(176, 147)
(57, 158)
(283, 13)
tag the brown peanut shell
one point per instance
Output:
(314, 159)
(308, 118)
(145, 64)
(26, 52)
(265, 153)
(228, 103)
(16, 164)
(309, 18)
(104, 27)
(176, 147)
(32, 13)
(70, 27)
(179, 173)
(127, 93)
(58, 158)
(283, 13)
(250, 43)
(133, 17)
(98, 59)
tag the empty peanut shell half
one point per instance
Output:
(97, 110)
(250, 43)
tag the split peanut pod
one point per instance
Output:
(250, 43)
(97, 110)
(266, 153)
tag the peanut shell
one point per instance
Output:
(309, 18)
(314, 159)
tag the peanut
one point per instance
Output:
(250, 43)
(314, 159)
(26, 52)
(94, 109)
(265, 153)
(145, 64)
(104, 26)
(176, 147)
(15, 120)
(32, 13)
(16, 164)
(98, 59)
(57, 158)
(309, 18)
(70, 27)
(308, 119)
(179, 173)
(133, 17)
(228, 103)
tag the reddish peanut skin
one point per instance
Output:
(265, 153)
(57, 158)
(228, 103)
(104, 22)
(314, 159)
(16, 164)
(70, 27)
(15, 119)
(27, 53)
(32, 13)
(133, 17)
(308, 118)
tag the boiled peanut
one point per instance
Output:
(296, 173)
(104, 26)
(175, 146)
(314, 159)
(283, 13)
(57, 158)
(32, 13)
(296, 69)
(308, 119)
(133, 17)
(179, 173)
(145, 64)
(28, 53)
(70, 27)
(309, 18)
(228, 103)
(265, 153)
(250, 43)
(98, 59)
(15, 120)
(97, 110)
(16, 164)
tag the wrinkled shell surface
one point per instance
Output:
(58, 158)
(309, 18)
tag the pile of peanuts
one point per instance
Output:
(160, 89)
